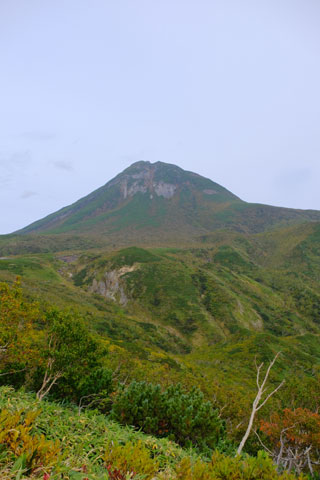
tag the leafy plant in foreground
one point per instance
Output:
(34, 451)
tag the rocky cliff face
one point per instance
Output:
(162, 180)
(143, 181)
(145, 177)
(110, 285)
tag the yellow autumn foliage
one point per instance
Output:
(131, 457)
(16, 436)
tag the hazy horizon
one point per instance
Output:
(229, 90)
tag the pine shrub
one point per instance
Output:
(182, 415)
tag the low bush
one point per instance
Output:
(130, 459)
(183, 416)
(223, 467)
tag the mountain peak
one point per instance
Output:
(163, 180)
(144, 197)
(156, 179)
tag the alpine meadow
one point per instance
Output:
(161, 328)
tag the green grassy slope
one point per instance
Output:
(197, 314)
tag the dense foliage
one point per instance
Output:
(19, 341)
(184, 416)
(51, 351)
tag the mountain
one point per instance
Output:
(160, 202)
(183, 282)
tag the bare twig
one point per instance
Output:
(12, 372)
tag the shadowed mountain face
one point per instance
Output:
(162, 201)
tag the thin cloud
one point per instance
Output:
(13, 159)
(13, 164)
(39, 136)
(27, 194)
(63, 165)
(297, 177)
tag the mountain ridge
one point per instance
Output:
(160, 200)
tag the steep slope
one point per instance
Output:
(161, 202)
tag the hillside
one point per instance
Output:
(174, 280)
(83, 445)
(159, 203)
(200, 314)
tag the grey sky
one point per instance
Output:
(226, 88)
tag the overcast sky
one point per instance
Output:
(229, 89)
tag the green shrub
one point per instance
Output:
(98, 381)
(74, 353)
(183, 416)
(94, 389)
(191, 419)
(140, 405)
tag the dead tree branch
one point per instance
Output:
(258, 401)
